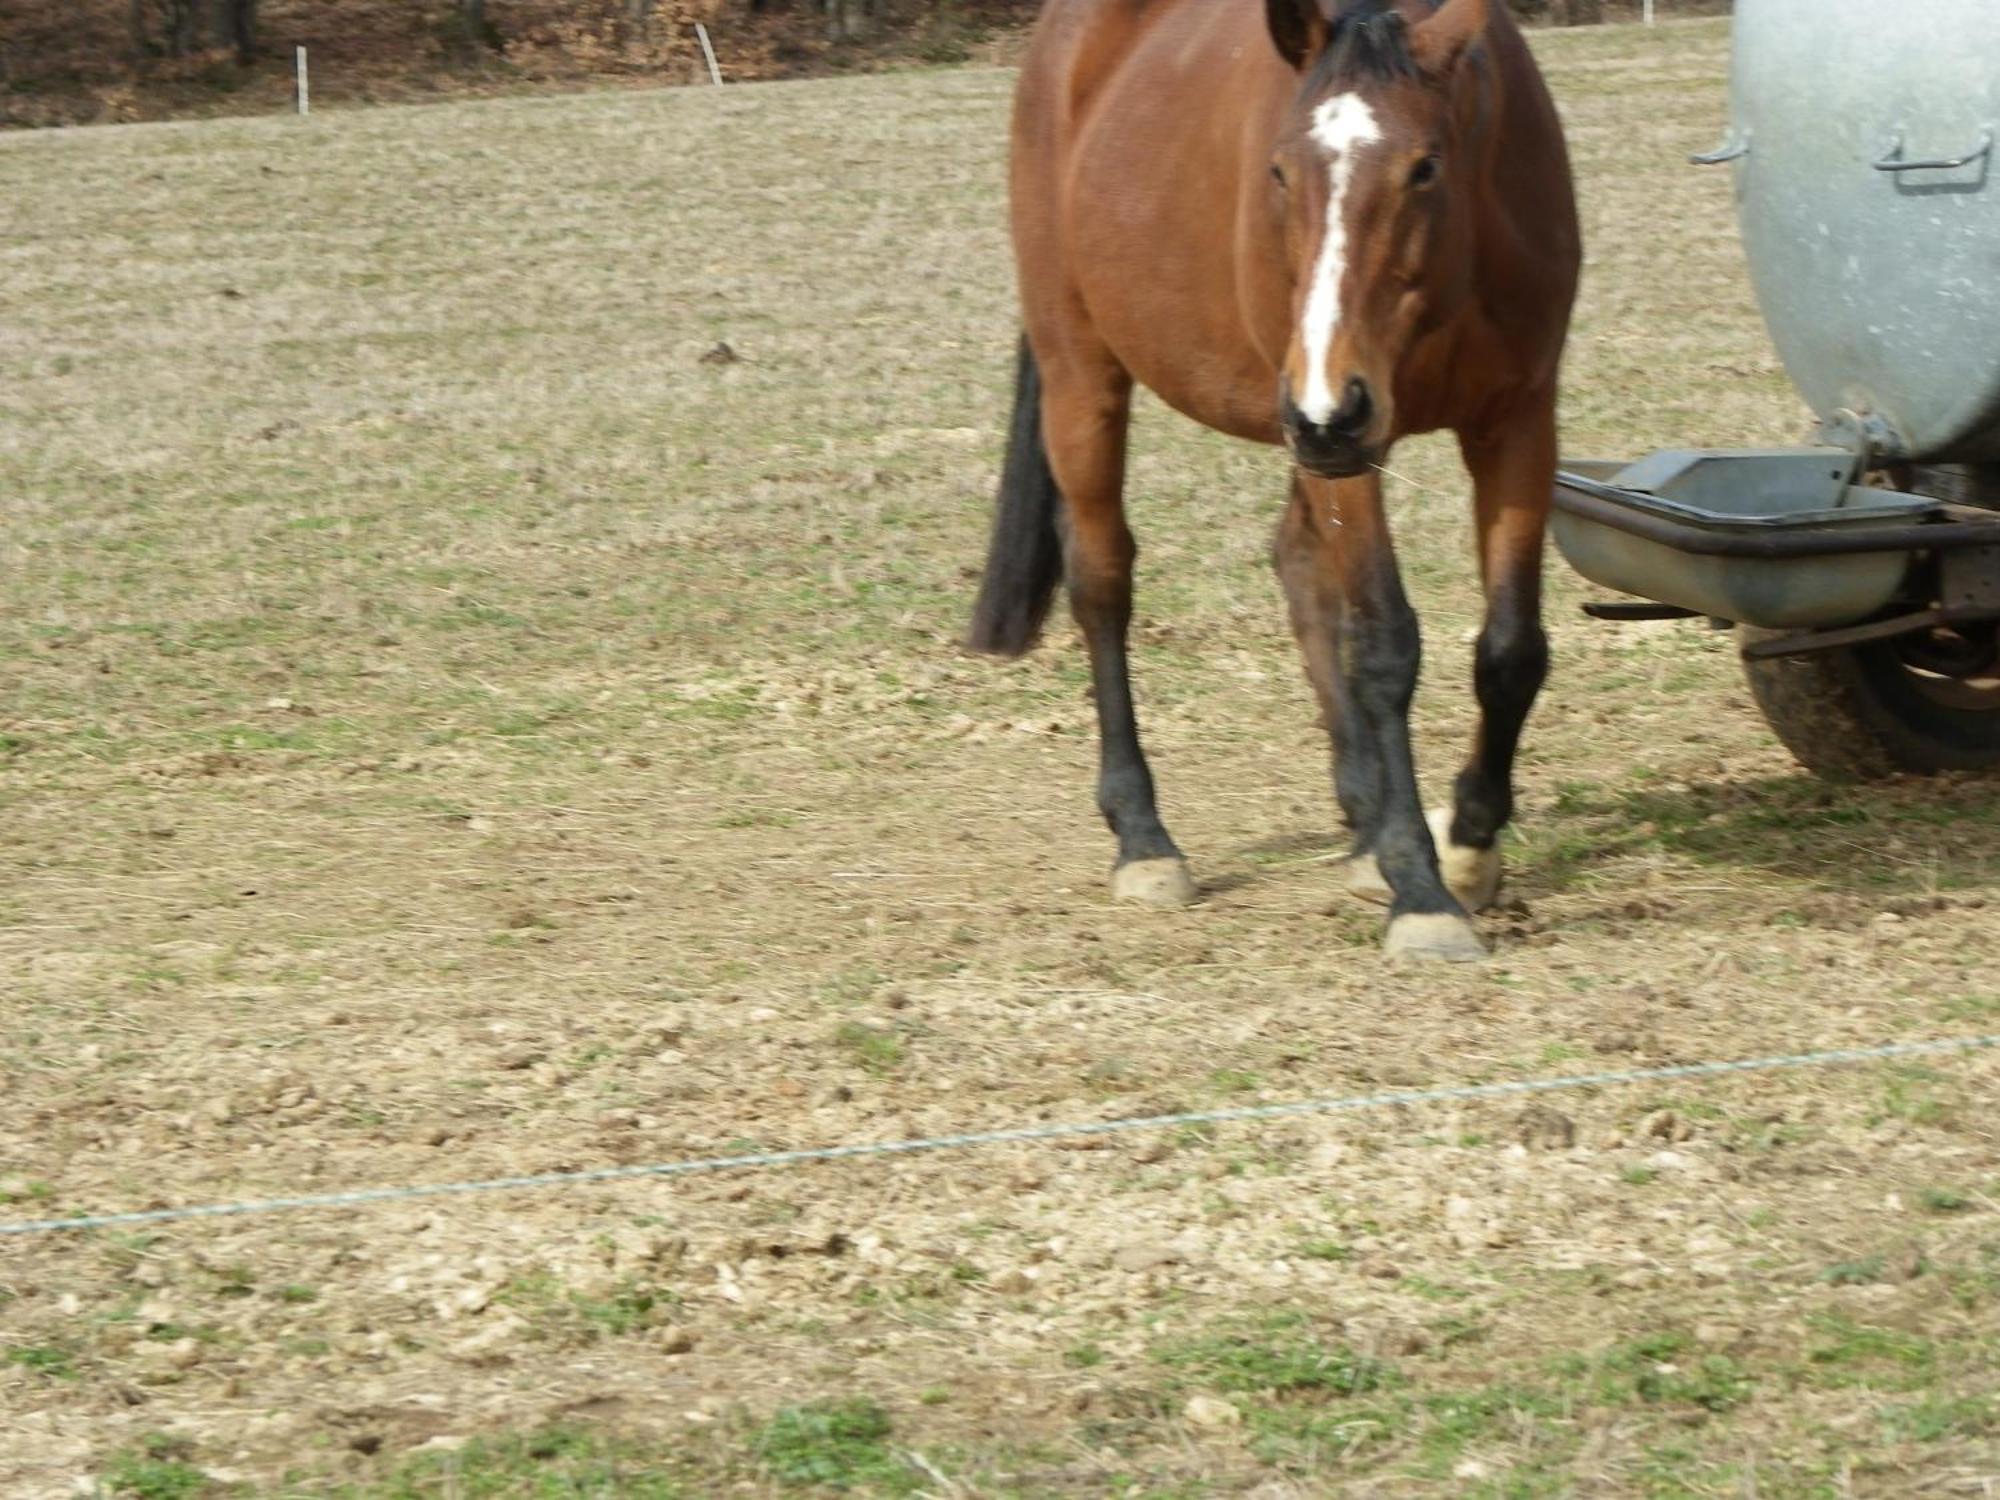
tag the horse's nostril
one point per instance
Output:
(1335, 438)
(1291, 418)
(1356, 407)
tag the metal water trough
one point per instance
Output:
(1864, 569)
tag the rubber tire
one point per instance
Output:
(1854, 715)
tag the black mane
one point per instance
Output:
(1369, 41)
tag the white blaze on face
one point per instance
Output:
(1342, 126)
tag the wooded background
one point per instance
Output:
(66, 61)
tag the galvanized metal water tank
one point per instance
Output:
(1869, 193)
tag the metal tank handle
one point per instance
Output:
(1892, 157)
(1733, 147)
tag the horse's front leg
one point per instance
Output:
(1302, 555)
(1337, 550)
(1085, 412)
(1513, 480)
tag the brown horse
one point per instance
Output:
(1326, 223)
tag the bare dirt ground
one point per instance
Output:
(450, 727)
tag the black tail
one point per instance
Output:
(1024, 557)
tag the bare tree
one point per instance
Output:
(471, 32)
(846, 19)
(239, 24)
(182, 28)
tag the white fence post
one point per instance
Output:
(714, 70)
(1649, 12)
(299, 76)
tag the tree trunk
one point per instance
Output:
(191, 26)
(473, 33)
(641, 12)
(847, 19)
(183, 26)
(239, 24)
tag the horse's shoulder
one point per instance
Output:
(1081, 45)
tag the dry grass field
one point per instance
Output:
(449, 728)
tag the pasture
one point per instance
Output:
(451, 727)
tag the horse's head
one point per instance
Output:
(1377, 207)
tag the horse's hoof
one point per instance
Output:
(1155, 882)
(1364, 879)
(1433, 937)
(1472, 875)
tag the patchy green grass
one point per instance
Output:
(1863, 1272)
(157, 1469)
(53, 1360)
(1942, 1200)
(1317, 1248)
(879, 1049)
(1844, 1352)
(1941, 1416)
(1300, 1395)
(554, 1464)
(839, 1445)
(1667, 1369)
(560, 1313)
(1283, 1356)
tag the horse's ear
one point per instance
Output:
(1298, 29)
(1440, 41)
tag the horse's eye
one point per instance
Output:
(1278, 174)
(1425, 172)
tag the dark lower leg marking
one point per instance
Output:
(1382, 657)
(1103, 608)
(1512, 468)
(1085, 421)
(1312, 596)
(1510, 663)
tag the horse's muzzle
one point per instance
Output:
(1334, 463)
(1335, 448)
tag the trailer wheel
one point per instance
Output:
(1923, 704)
